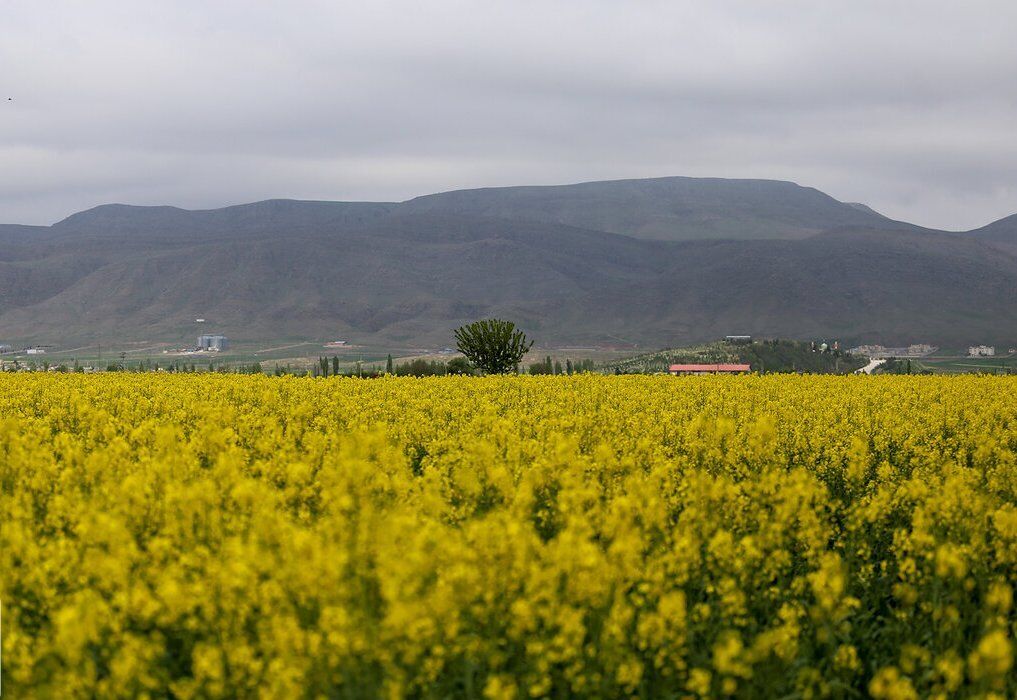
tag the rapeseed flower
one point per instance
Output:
(208, 536)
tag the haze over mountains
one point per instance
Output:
(655, 262)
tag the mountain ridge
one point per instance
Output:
(1005, 225)
(658, 208)
(409, 272)
(1004, 230)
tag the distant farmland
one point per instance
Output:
(1004, 364)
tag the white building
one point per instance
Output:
(981, 351)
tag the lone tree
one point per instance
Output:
(493, 346)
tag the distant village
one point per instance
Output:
(33, 357)
(920, 350)
(10, 357)
(879, 352)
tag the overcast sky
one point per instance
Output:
(910, 107)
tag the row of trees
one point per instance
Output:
(16, 366)
(896, 365)
(419, 367)
(432, 368)
(185, 368)
(490, 346)
(547, 366)
(139, 366)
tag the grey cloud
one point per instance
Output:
(909, 106)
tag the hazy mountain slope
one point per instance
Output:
(410, 279)
(1003, 230)
(19, 242)
(1002, 234)
(410, 272)
(847, 284)
(405, 278)
(173, 226)
(672, 208)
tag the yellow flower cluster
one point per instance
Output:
(775, 536)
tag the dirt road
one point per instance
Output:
(867, 369)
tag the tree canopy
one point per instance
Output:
(492, 345)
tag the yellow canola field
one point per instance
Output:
(776, 536)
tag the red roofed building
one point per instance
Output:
(708, 369)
